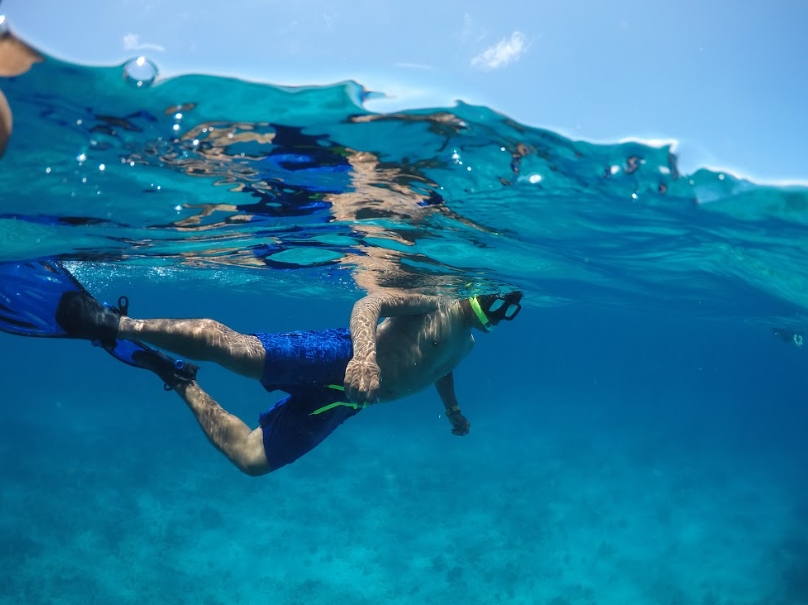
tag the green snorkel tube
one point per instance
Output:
(478, 311)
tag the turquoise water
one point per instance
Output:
(637, 434)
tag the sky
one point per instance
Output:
(726, 80)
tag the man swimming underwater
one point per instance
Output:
(329, 375)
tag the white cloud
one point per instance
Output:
(132, 42)
(502, 53)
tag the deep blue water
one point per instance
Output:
(637, 433)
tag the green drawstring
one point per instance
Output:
(336, 404)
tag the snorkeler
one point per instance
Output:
(329, 375)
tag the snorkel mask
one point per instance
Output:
(490, 309)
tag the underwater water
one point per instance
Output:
(638, 433)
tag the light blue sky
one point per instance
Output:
(729, 80)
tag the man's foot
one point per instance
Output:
(173, 372)
(82, 316)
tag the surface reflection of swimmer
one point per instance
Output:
(789, 336)
(286, 171)
(353, 192)
(302, 176)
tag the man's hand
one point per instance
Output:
(362, 381)
(460, 424)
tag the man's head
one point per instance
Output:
(490, 309)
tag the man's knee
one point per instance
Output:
(253, 470)
(250, 457)
(209, 328)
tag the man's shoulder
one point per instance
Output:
(395, 295)
(398, 302)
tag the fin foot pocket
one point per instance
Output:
(173, 372)
(80, 315)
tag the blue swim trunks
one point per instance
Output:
(303, 364)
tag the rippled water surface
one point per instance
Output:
(108, 164)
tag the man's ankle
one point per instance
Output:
(126, 327)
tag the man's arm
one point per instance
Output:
(368, 310)
(362, 376)
(445, 386)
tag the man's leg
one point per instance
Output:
(82, 316)
(242, 446)
(201, 340)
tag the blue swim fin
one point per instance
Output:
(42, 298)
(30, 293)
(173, 371)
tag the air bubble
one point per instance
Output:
(140, 72)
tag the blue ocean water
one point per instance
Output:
(637, 433)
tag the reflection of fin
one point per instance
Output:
(29, 295)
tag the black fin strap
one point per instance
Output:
(123, 305)
(184, 372)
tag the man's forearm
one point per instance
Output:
(364, 319)
(446, 393)
(460, 424)
(367, 312)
